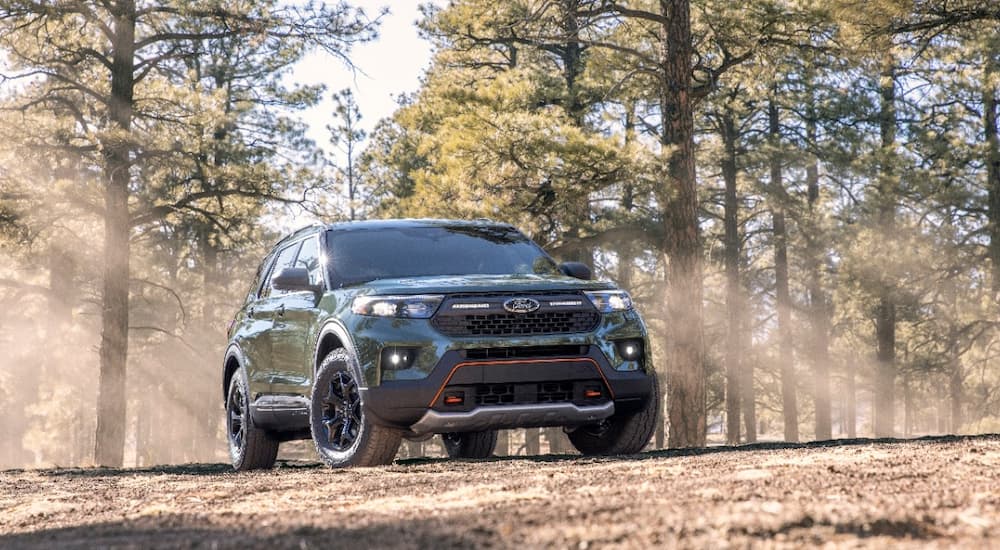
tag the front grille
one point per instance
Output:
(518, 324)
(494, 394)
(581, 392)
(509, 294)
(555, 392)
(525, 352)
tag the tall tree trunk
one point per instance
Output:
(62, 270)
(110, 441)
(942, 408)
(819, 310)
(60, 308)
(747, 389)
(907, 404)
(554, 437)
(992, 139)
(532, 444)
(503, 443)
(682, 242)
(783, 299)
(414, 449)
(851, 416)
(571, 53)
(734, 298)
(956, 393)
(885, 319)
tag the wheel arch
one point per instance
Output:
(232, 363)
(332, 336)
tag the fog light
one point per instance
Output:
(631, 354)
(394, 358)
(630, 350)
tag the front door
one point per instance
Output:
(258, 342)
(291, 352)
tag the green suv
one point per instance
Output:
(357, 335)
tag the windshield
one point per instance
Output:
(357, 256)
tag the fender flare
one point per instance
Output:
(335, 327)
(233, 351)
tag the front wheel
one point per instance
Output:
(343, 434)
(250, 447)
(470, 444)
(620, 434)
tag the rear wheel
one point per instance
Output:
(620, 434)
(470, 444)
(343, 434)
(250, 447)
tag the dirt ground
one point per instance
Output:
(929, 492)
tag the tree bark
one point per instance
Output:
(553, 436)
(111, 407)
(885, 319)
(789, 401)
(747, 389)
(734, 298)
(414, 449)
(503, 443)
(992, 139)
(852, 404)
(907, 405)
(532, 444)
(571, 53)
(956, 394)
(819, 309)
(682, 242)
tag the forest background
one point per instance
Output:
(802, 196)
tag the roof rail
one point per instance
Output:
(298, 232)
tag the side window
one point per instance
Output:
(284, 259)
(310, 260)
(257, 279)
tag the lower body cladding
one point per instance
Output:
(474, 395)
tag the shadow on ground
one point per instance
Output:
(220, 469)
(184, 531)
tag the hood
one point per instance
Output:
(451, 284)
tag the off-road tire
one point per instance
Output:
(470, 444)
(620, 434)
(370, 444)
(250, 447)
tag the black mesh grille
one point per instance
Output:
(582, 392)
(518, 324)
(525, 351)
(494, 394)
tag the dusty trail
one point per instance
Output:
(931, 492)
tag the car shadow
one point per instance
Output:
(300, 465)
(716, 449)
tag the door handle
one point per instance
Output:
(281, 310)
(251, 312)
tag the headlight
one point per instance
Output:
(412, 307)
(607, 301)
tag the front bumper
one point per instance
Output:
(549, 379)
(418, 405)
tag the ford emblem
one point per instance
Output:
(521, 305)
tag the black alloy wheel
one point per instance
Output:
(341, 412)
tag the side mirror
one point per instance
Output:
(293, 279)
(576, 270)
